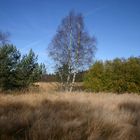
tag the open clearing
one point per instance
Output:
(69, 116)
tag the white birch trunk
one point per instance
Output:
(61, 77)
(73, 81)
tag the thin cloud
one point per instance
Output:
(33, 43)
(91, 12)
(30, 45)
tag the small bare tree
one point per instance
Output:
(73, 47)
(4, 37)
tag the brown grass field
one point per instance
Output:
(50, 115)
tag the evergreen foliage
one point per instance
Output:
(17, 72)
(119, 75)
(9, 60)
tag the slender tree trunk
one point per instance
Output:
(77, 58)
(70, 51)
(67, 83)
(73, 81)
(61, 77)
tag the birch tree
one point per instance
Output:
(72, 46)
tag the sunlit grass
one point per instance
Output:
(51, 115)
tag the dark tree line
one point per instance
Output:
(119, 75)
(54, 77)
(16, 71)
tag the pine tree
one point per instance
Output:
(9, 59)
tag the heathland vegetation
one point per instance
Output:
(49, 110)
(69, 116)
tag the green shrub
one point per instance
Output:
(119, 75)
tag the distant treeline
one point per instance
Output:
(55, 77)
(119, 75)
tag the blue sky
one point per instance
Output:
(33, 23)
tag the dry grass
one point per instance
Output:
(75, 116)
